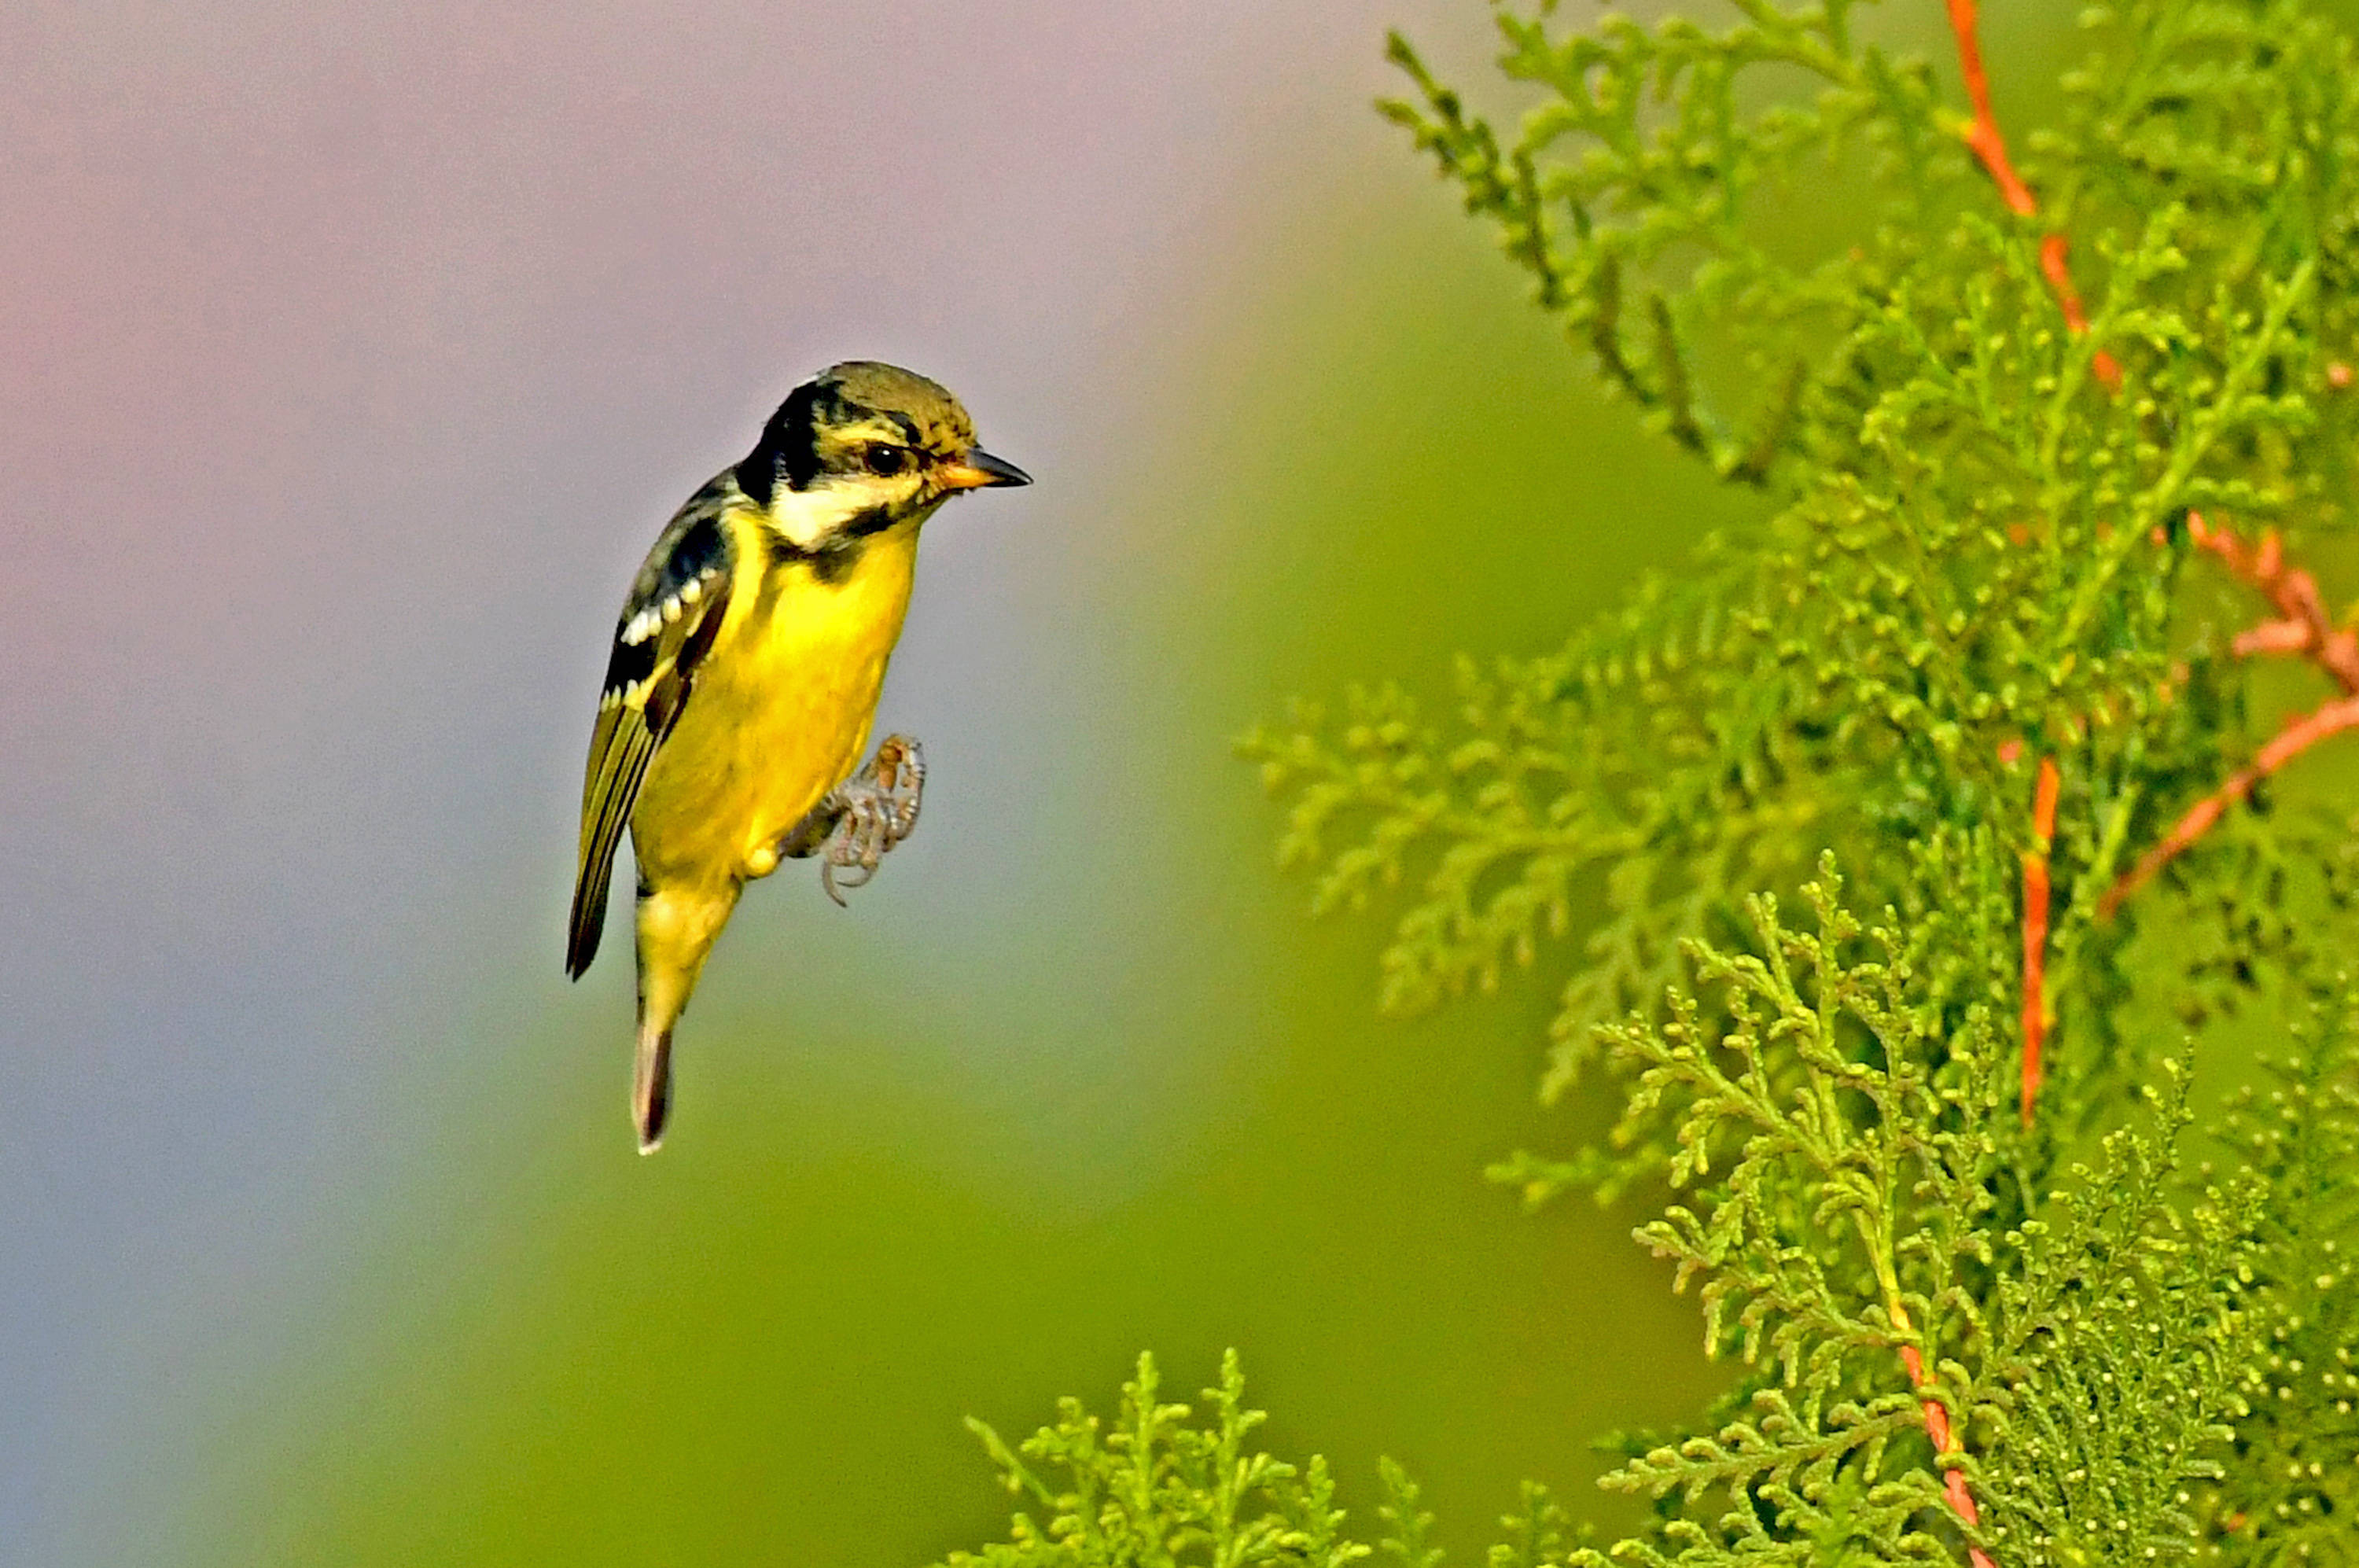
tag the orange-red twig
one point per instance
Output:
(1937, 1429)
(2054, 266)
(1983, 140)
(2034, 928)
(2301, 630)
(1984, 137)
(2299, 736)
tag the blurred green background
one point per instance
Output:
(929, 1164)
(396, 342)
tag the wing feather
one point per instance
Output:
(668, 626)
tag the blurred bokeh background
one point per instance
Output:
(354, 356)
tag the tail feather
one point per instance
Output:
(651, 1086)
(677, 927)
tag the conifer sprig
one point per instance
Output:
(1964, 651)
(1159, 1492)
(2288, 1489)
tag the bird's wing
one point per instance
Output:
(674, 612)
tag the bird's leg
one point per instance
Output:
(862, 819)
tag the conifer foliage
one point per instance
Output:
(2056, 458)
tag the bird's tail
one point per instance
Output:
(676, 928)
(651, 1084)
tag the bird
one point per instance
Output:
(744, 676)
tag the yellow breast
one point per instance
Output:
(780, 711)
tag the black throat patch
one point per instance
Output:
(830, 562)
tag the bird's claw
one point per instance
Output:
(862, 818)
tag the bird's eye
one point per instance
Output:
(886, 460)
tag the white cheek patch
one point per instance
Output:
(808, 516)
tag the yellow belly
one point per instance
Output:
(779, 714)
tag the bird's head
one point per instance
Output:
(860, 448)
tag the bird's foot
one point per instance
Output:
(862, 818)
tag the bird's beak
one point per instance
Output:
(979, 470)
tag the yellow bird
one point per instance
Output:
(744, 675)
